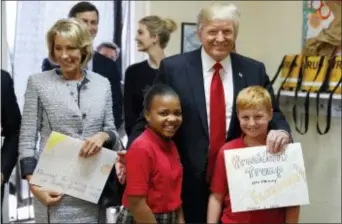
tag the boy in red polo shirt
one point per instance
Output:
(154, 172)
(254, 111)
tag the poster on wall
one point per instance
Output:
(189, 39)
(322, 27)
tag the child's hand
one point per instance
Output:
(181, 216)
(120, 166)
(276, 140)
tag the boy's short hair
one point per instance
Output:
(253, 97)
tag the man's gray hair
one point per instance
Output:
(110, 45)
(221, 11)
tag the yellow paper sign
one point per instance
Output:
(54, 139)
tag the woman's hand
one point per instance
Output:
(93, 144)
(44, 196)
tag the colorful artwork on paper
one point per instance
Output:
(83, 178)
(322, 27)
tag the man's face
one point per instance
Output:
(217, 38)
(108, 52)
(91, 20)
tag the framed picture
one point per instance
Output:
(189, 39)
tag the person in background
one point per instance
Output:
(254, 112)
(152, 37)
(75, 102)
(207, 81)
(154, 171)
(88, 14)
(110, 50)
(10, 127)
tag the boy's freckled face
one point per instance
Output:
(254, 122)
(165, 115)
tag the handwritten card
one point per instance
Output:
(61, 169)
(258, 179)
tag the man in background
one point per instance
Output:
(10, 127)
(89, 15)
(110, 50)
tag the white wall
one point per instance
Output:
(3, 56)
(268, 30)
(3, 60)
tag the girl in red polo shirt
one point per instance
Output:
(254, 111)
(154, 171)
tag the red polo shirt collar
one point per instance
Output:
(162, 143)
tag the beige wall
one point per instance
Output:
(258, 19)
(268, 30)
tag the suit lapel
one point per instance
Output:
(239, 82)
(196, 83)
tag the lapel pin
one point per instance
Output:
(240, 75)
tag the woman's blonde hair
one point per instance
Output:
(159, 27)
(253, 97)
(74, 31)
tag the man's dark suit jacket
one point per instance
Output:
(10, 125)
(184, 74)
(107, 68)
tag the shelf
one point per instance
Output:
(287, 99)
(312, 95)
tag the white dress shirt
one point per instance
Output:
(226, 74)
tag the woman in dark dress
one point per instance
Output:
(152, 37)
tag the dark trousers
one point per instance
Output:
(195, 198)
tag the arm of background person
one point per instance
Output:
(141, 122)
(10, 122)
(129, 110)
(117, 96)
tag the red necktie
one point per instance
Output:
(217, 119)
